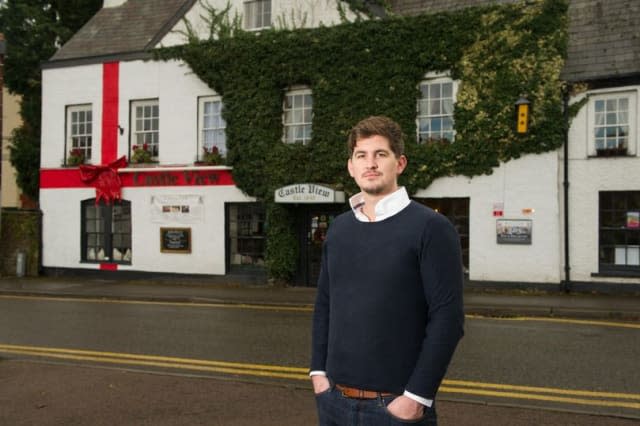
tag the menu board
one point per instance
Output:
(175, 240)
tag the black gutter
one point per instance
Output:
(566, 284)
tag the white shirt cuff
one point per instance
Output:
(318, 373)
(421, 400)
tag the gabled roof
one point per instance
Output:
(130, 29)
(604, 36)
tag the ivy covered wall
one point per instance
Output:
(497, 53)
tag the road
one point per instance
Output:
(571, 366)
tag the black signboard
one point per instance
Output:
(175, 240)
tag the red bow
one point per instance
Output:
(107, 181)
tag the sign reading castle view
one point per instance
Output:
(308, 193)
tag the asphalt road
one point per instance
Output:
(574, 366)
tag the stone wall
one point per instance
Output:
(20, 230)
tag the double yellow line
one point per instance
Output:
(234, 368)
(565, 396)
(455, 387)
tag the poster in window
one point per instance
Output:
(514, 231)
(633, 220)
(175, 240)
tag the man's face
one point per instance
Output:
(374, 167)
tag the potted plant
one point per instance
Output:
(75, 157)
(211, 156)
(141, 154)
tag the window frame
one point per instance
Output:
(133, 133)
(222, 147)
(107, 215)
(632, 111)
(622, 237)
(238, 236)
(68, 140)
(250, 16)
(434, 78)
(307, 126)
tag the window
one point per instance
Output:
(612, 124)
(212, 125)
(257, 14)
(106, 231)
(79, 131)
(145, 132)
(435, 110)
(619, 246)
(297, 115)
(246, 234)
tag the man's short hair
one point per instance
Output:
(377, 125)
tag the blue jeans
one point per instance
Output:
(337, 410)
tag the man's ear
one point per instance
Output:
(402, 164)
(350, 167)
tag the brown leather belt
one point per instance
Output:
(355, 393)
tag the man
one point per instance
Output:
(388, 313)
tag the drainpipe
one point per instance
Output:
(566, 284)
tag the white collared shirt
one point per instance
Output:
(388, 206)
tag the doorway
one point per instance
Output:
(313, 222)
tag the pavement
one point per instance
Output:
(507, 301)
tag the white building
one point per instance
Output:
(102, 100)
(101, 97)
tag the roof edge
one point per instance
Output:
(164, 30)
(91, 60)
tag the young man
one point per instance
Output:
(388, 313)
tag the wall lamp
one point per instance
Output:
(523, 111)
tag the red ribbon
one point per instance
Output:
(105, 179)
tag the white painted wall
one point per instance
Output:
(62, 218)
(177, 89)
(62, 87)
(172, 83)
(528, 182)
(587, 176)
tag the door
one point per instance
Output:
(314, 221)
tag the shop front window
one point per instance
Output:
(106, 231)
(246, 234)
(619, 245)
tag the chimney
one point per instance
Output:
(113, 3)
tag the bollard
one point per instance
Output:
(21, 263)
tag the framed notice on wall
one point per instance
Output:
(175, 240)
(513, 231)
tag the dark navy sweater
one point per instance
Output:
(389, 313)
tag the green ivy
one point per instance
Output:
(497, 53)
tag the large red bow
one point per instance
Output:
(105, 178)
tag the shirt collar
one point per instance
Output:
(388, 206)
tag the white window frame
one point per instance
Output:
(297, 115)
(80, 133)
(217, 125)
(594, 121)
(257, 14)
(435, 79)
(140, 132)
